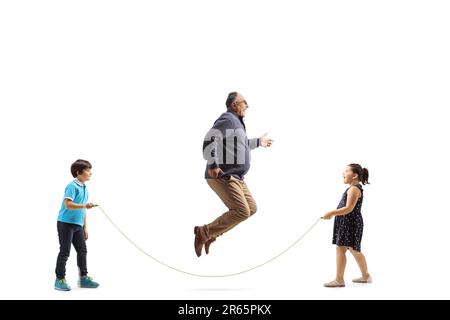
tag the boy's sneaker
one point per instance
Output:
(61, 285)
(87, 282)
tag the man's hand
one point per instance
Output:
(265, 142)
(86, 234)
(89, 205)
(215, 173)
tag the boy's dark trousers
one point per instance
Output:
(69, 234)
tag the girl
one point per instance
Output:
(348, 225)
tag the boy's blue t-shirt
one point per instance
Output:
(78, 193)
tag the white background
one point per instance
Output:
(134, 86)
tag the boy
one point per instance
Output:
(72, 227)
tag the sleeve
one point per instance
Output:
(213, 139)
(253, 143)
(70, 192)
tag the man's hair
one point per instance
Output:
(231, 98)
(79, 166)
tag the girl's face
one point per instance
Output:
(349, 176)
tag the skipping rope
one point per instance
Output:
(207, 275)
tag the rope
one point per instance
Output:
(207, 275)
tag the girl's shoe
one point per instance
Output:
(334, 284)
(61, 285)
(363, 280)
(87, 282)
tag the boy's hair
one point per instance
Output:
(79, 166)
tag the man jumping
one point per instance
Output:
(227, 151)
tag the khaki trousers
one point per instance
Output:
(235, 194)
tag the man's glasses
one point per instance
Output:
(242, 101)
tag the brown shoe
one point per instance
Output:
(199, 241)
(208, 243)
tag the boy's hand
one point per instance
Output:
(89, 205)
(86, 234)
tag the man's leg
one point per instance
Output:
(232, 194)
(251, 204)
(250, 201)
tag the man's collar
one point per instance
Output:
(234, 113)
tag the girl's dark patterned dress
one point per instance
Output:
(348, 229)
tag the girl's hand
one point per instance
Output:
(328, 216)
(86, 234)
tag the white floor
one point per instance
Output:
(124, 273)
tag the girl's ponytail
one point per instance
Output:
(363, 174)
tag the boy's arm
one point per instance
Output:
(70, 205)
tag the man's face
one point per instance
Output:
(240, 105)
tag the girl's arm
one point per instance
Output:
(353, 195)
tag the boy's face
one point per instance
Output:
(85, 175)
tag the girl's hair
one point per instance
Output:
(363, 173)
